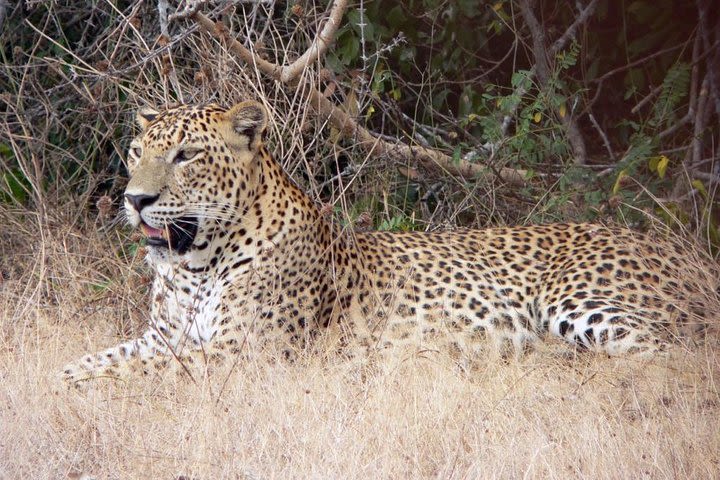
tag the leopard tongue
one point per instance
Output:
(152, 232)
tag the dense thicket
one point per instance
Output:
(602, 108)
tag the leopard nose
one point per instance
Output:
(140, 201)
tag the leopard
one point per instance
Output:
(245, 262)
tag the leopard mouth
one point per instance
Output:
(178, 235)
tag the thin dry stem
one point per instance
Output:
(542, 69)
(423, 416)
(349, 127)
(319, 46)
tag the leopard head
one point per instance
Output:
(193, 169)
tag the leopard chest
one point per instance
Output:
(185, 306)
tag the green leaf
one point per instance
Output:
(457, 155)
(438, 100)
(469, 8)
(700, 187)
(675, 87)
(100, 286)
(618, 182)
(659, 165)
(662, 166)
(348, 50)
(521, 77)
(367, 30)
(15, 187)
(593, 197)
(6, 151)
(396, 17)
(653, 163)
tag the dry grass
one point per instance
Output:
(538, 417)
(67, 289)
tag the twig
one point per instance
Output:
(3, 9)
(518, 93)
(637, 62)
(570, 32)
(542, 69)
(600, 80)
(153, 54)
(708, 177)
(705, 161)
(383, 50)
(711, 49)
(319, 46)
(433, 132)
(692, 103)
(602, 135)
(362, 24)
(557, 46)
(287, 73)
(700, 120)
(165, 38)
(677, 125)
(646, 99)
(349, 127)
(163, 6)
(219, 31)
(190, 9)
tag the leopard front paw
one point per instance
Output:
(74, 376)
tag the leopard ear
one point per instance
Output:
(145, 116)
(248, 119)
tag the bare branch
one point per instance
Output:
(537, 35)
(219, 31)
(319, 46)
(3, 10)
(570, 32)
(349, 127)
(695, 75)
(709, 177)
(701, 116)
(163, 17)
(191, 8)
(518, 93)
(676, 125)
(287, 73)
(712, 49)
(164, 39)
(692, 103)
(637, 62)
(604, 137)
(427, 157)
(646, 99)
(542, 70)
(557, 46)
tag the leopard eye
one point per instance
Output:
(136, 151)
(185, 155)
